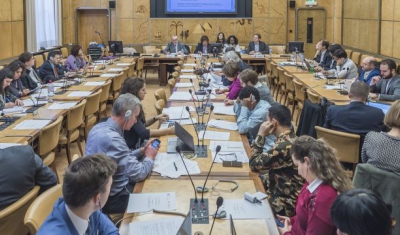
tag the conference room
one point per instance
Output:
(199, 117)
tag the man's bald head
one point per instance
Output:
(174, 39)
(369, 63)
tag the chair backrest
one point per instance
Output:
(160, 94)
(48, 137)
(41, 208)
(140, 63)
(299, 90)
(347, 145)
(171, 84)
(117, 83)
(131, 70)
(46, 55)
(150, 51)
(289, 82)
(313, 97)
(92, 103)
(11, 217)
(75, 157)
(355, 57)
(281, 75)
(75, 116)
(64, 52)
(105, 91)
(274, 69)
(1, 67)
(159, 105)
(148, 47)
(38, 60)
(268, 67)
(349, 52)
(278, 49)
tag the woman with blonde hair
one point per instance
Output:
(325, 179)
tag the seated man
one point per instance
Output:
(51, 68)
(257, 46)
(107, 137)
(249, 77)
(277, 171)
(386, 87)
(345, 67)
(369, 69)
(356, 117)
(175, 47)
(20, 170)
(86, 187)
(323, 59)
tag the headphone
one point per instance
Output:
(128, 115)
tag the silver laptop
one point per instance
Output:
(186, 226)
(184, 140)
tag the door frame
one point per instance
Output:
(308, 8)
(92, 8)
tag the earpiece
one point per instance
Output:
(128, 115)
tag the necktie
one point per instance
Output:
(176, 48)
(55, 71)
(387, 87)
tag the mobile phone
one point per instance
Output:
(156, 143)
(279, 223)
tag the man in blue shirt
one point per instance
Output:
(369, 70)
(133, 166)
(251, 112)
(86, 187)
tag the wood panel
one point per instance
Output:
(17, 10)
(387, 9)
(5, 39)
(5, 10)
(90, 21)
(387, 38)
(18, 37)
(318, 29)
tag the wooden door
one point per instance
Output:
(87, 22)
(310, 21)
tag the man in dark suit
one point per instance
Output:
(175, 47)
(51, 68)
(20, 170)
(356, 117)
(203, 46)
(257, 46)
(323, 59)
(369, 69)
(386, 87)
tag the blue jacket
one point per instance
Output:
(59, 222)
(373, 73)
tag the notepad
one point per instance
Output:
(214, 135)
(232, 126)
(144, 202)
(63, 105)
(31, 124)
(94, 83)
(221, 108)
(108, 75)
(79, 93)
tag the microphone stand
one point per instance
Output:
(102, 42)
(35, 106)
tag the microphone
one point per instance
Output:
(178, 150)
(199, 109)
(205, 182)
(220, 201)
(195, 127)
(35, 106)
(205, 126)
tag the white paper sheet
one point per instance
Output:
(183, 84)
(169, 170)
(187, 76)
(221, 108)
(31, 124)
(232, 126)
(143, 202)
(239, 156)
(181, 122)
(334, 87)
(227, 146)
(62, 105)
(181, 95)
(108, 75)
(243, 209)
(115, 69)
(187, 70)
(123, 64)
(6, 145)
(167, 226)
(191, 65)
(214, 135)
(178, 112)
(79, 93)
(94, 83)
(15, 109)
(29, 102)
(165, 158)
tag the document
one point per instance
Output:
(181, 95)
(167, 226)
(232, 126)
(108, 75)
(94, 83)
(79, 93)
(15, 109)
(165, 158)
(143, 202)
(214, 135)
(187, 76)
(62, 105)
(243, 209)
(190, 65)
(181, 122)
(183, 84)
(123, 64)
(31, 124)
(334, 87)
(176, 168)
(221, 108)
(240, 156)
(227, 146)
(115, 69)
(187, 70)
(178, 112)
(6, 145)
(29, 102)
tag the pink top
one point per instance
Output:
(313, 212)
(234, 89)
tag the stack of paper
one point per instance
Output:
(221, 108)
(15, 109)
(178, 112)
(176, 168)
(29, 102)
(214, 135)
(79, 93)
(108, 75)
(144, 202)
(94, 83)
(232, 126)
(63, 105)
(31, 124)
(167, 226)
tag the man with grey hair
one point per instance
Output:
(350, 118)
(175, 47)
(108, 138)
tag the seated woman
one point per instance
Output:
(30, 79)
(16, 87)
(203, 46)
(7, 100)
(232, 41)
(361, 211)
(231, 71)
(221, 38)
(382, 149)
(75, 61)
(136, 136)
(325, 179)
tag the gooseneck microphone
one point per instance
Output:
(220, 201)
(195, 128)
(212, 164)
(205, 128)
(178, 150)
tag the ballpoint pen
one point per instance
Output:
(176, 168)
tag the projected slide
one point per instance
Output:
(201, 6)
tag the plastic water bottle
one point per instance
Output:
(312, 68)
(50, 88)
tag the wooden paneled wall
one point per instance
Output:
(12, 28)
(390, 28)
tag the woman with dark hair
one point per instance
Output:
(232, 41)
(203, 46)
(7, 100)
(16, 87)
(325, 179)
(221, 38)
(361, 212)
(30, 79)
(75, 61)
(136, 136)
(231, 71)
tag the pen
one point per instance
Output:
(176, 168)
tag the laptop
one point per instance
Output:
(307, 64)
(184, 140)
(383, 106)
(186, 226)
(233, 230)
(85, 68)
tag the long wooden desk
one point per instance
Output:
(184, 191)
